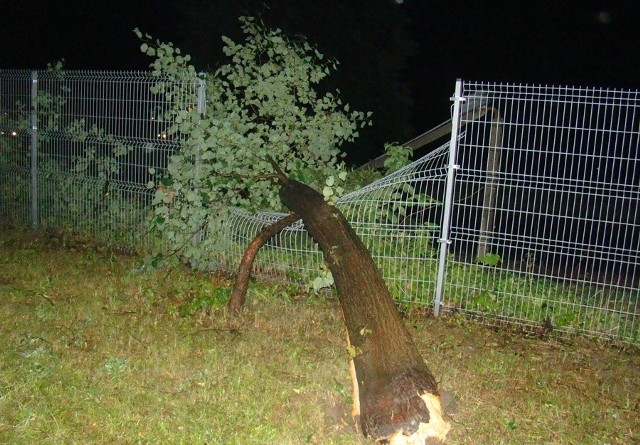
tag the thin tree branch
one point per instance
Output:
(239, 292)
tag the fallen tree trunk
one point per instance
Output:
(396, 397)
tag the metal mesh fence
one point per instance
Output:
(15, 158)
(530, 215)
(542, 226)
(96, 135)
(545, 225)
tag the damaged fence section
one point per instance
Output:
(526, 213)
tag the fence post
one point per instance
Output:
(202, 103)
(34, 150)
(201, 107)
(491, 184)
(448, 199)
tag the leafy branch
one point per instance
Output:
(265, 102)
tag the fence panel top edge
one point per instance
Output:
(484, 87)
(88, 75)
(15, 73)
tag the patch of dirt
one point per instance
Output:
(337, 415)
(5, 281)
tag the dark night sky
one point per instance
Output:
(585, 43)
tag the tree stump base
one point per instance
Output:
(430, 433)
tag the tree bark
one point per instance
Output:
(239, 292)
(396, 397)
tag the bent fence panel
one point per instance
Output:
(397, 218)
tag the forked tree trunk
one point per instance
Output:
(396, 397)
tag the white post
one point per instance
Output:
(34, 150)
(448, 199)
(202, 109)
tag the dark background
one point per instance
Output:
(398, 59)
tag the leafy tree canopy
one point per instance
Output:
(265, 102)
(371, 39)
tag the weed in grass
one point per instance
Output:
(114, 365)
(203, 299)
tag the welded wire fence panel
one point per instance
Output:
(397, 217)
(15, 156)
(546, 227)
(100, 137)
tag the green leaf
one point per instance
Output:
(490, 259)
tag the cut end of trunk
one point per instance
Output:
(433, 432)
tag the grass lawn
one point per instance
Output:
(95, 351)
